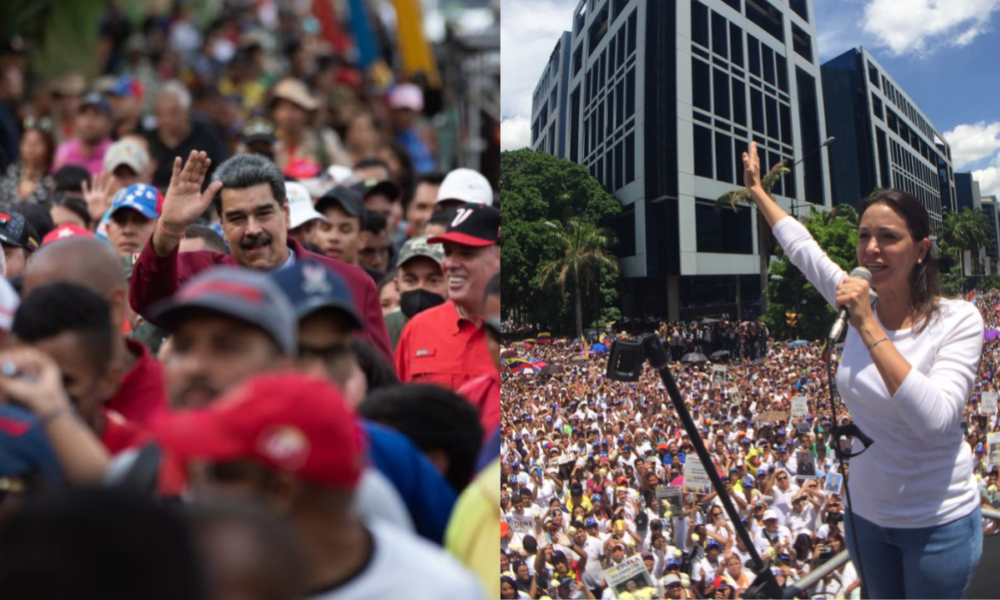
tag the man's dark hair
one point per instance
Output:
(377, 370)
(212, 239)
(367, 163)
(373, 223)
(70, 178)
(433, 178)
(58, 546)
(435, 419)
(443, 217)
(493, 287)
(74, 204)
(247, 170)
(64, 307)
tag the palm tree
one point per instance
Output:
(965, 230)
(584, 252)
(765, 240)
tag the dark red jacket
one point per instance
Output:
(155, 278)
(483, 392)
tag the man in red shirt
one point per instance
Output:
(92, 264)
(484, 391)
(253, 209)
(446, 345)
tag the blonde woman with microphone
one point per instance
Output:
(908, 366)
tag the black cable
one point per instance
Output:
(832, 388)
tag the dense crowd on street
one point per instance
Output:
(249, 313)
(585, 456)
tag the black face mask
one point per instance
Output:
(417, 301)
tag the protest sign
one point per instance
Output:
(668, 501)
(993, 449)
(718, 374)
(772, 416)
(806, 464)
(988, 403)
(631, 575)
(800, 406)
(833, 483)
(695, 477)
(522, 524)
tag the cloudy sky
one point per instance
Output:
(943, 53)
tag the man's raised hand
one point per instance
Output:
(184, 201)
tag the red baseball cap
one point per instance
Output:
(287, 422)
(66, 230)
(473, 225)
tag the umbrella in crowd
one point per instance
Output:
(599, 348)
(525, 368)
(508, 354)
(991, 334)
(694, 357)
(797, 343)
(553, 370)
(720, 354)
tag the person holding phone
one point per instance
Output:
(908, 365)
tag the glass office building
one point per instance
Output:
(883, 139)
(548, 103)
(664, 97)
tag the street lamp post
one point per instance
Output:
(825, 143)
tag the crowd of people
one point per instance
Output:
(249, 318)
(584, 458)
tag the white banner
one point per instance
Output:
(522, 524)
(800, 406)
(695, 477)
(988, 403)
(993, 449)
(718, 375)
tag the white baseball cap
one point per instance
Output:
(9, 301)
(128, 153)
(466, 185)
(770, 514)
(407, 96)
(300, 206)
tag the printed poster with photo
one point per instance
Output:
(668, 501)
(993, 449)
(833, 483)
(806, 467)
(719, 375)
(800, 406)
(630, 576)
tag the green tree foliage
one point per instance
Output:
(536, 188)
(789, 292)
(584, 254)
(965, 230)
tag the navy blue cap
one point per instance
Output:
(312, 286)
(591, 522)
(24, 447)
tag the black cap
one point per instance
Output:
(70, 178)
(16, 231)
(370, 187)
(345, 197)
(258, 129)
(473, 225)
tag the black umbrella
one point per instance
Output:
(552, 370)
(694, 357)
(720, 354)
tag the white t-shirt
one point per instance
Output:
(918, 429)
(398, 560)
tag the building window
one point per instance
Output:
(757, 110)
(873, 75)
(763, 14)
(785, 112)
(773, 129)
(701, 85)
(890, 120)
(753, 55)
(723, 157)
(631, 33)
(630, 93)
(703, 158)
(699, 23)
(736, 44)
(598, 29)
(767, 57)
(724, 232)
(799, 8)
(877, 106)
(802, 43)
(739, 102)
(720, 35)
(782, 72)
(621, 49)
(735, 5)
(721, 93)
(629, 158)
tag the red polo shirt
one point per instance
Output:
(120, 434)
(484, 393)
(142, 392)
(442, 347)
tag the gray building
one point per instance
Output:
(966, 191)
(548, 103)
(664, 96)
(883, 139)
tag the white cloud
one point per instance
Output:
(515, 133)
(989, 178)
(919, 26)
(529, 30)
(972, 143)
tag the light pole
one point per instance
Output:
(825, 143)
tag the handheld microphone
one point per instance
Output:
(839, 325)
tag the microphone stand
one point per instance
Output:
(764, 585)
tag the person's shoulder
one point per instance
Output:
(408, 552)
(352, 273)
(432, 316)
(954, 311)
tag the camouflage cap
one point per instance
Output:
(418, 246)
